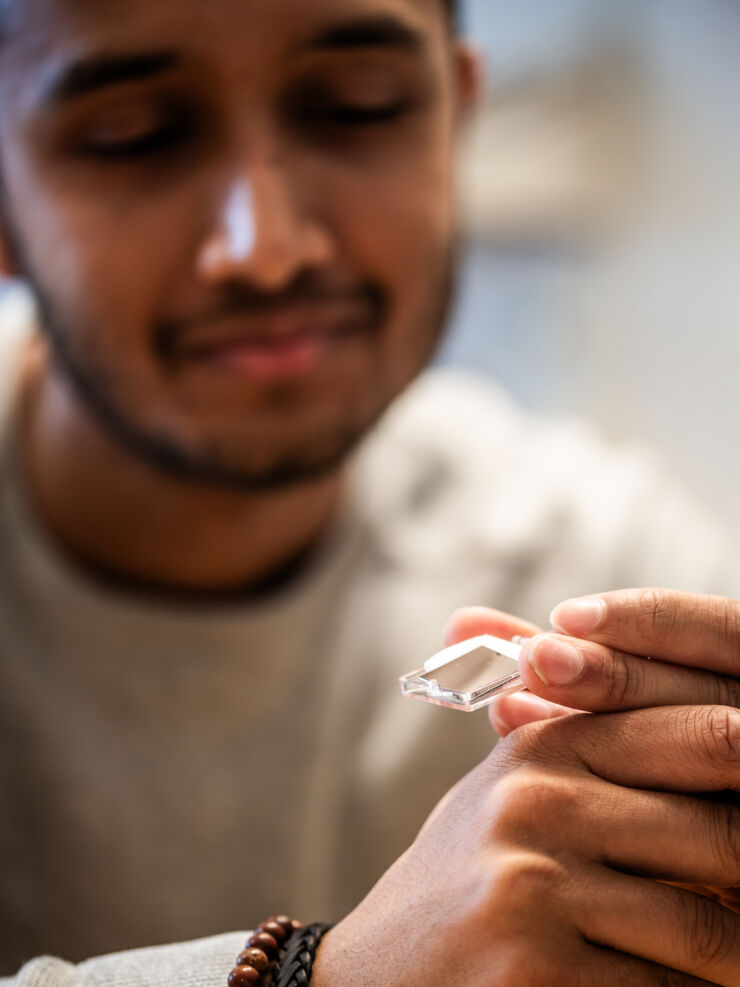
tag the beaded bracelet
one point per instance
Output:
(261, 951)
(280, 949)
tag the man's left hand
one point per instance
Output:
(624, 650)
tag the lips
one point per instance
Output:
(264, 329)
(285, 340)
(292, 354)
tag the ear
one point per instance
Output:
(469, 76)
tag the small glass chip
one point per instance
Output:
(468, 675)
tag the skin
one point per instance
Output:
(226, 467)
(167, 272)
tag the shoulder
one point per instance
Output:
(459, 441)
(458, 466)
(447, 434)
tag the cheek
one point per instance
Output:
(95, 264)
(398, 228)
(398, 217)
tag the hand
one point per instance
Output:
(630, 649)
(693, 641)
(532, 870)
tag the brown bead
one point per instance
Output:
(283, 920)
(265, 942)
(254, 957)
(274, 929)
(244, 976)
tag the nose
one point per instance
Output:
(262, 231)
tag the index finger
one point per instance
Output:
(470, 622)
(683, 628)
(687, 749)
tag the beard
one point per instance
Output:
(214, 459)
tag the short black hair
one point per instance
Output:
(451, 6)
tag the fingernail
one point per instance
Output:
(513, 711)
(555, 662)
(578, 617)
(499, 723)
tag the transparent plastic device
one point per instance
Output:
(468, 675)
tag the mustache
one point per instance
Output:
(237, 300)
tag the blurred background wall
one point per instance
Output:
(602, 190)
(602, 199)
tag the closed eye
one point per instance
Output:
(147, 143)
(350, 115)
(136, 129)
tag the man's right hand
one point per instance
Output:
(544, 865)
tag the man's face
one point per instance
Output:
(237, 215)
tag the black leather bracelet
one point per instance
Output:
(297, 955)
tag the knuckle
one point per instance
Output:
(520, 965)
(522, 879)
(718, 730)
(529, 745)
(624, 680)
(526, 742)
(726, 621)
(712, 934)
(525, 801)
(657, 611)
(551, 742)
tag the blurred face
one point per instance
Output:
(237, 215)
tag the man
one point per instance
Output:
(238, 221)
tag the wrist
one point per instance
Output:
(280, 952)
(365, 949)
(333, 963)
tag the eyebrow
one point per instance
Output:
(102, 71)
(89, 75)
(380, 31)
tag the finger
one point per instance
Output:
(670, 837)
(536, 960)
(677, 627)
(603, 967)
(474, 621)
(517, 709)
(728, 897)
(674, 748)
(665, 925)
(589, 676)
(665, 836)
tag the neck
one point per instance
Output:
(131, 522)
